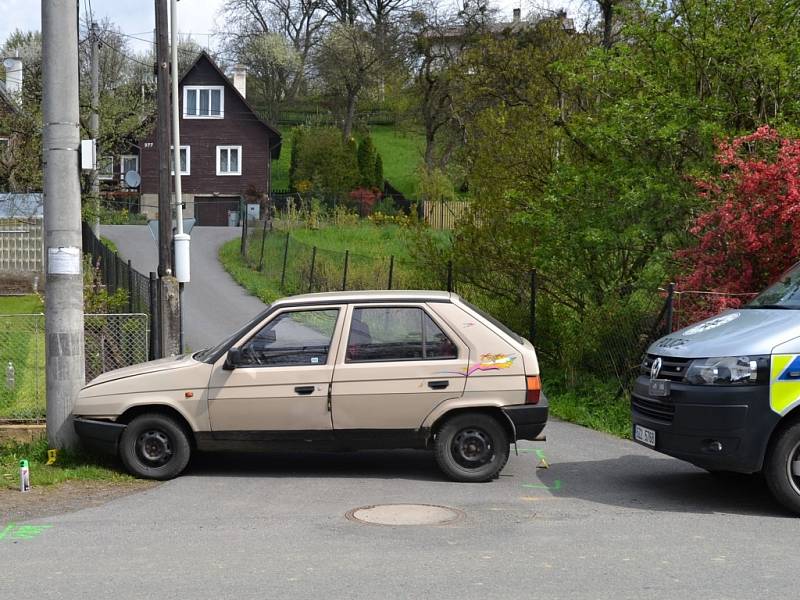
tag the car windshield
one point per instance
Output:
(784, 293)
(212, 353)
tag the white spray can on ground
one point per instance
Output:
(24, 476)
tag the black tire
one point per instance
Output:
(782, 467)
(155, 446)
(471, 447)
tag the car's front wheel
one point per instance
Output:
(471, 447)
(782, 467)
(155, 446)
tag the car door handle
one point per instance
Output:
(438, 385)
(304, 390)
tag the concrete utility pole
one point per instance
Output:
(62, 218)
(94, 123)
(169, 303)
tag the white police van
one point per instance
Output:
(724, 394)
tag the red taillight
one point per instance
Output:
(534, 389)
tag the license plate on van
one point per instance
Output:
(644, 435)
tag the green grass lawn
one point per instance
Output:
(401, 151)
(21, 305)
(68, 466)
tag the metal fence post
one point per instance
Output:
(155, 336)
(670, 311)
(263, 242)
(449, 275)
(391, 271)
(130, 287)
(311, 274)
(285, 255)
(344, 277)
(532, 332)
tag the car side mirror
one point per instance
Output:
(233, 360)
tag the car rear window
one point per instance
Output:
(494, 322)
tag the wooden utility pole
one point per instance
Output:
(169, 301)
(63, 319)
(94, 124)
(163, 141)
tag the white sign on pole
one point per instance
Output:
(65, 260)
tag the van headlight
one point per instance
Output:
(729, 370)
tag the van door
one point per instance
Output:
(279, 388)
(396, 364)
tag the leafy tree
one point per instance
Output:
(378, 171)
(348, 64)
(751, 232)
(366, 162)
(326, 161)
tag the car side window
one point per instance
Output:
(396, 333)
(297, 338)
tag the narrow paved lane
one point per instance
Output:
(608, 520)
(214, 304)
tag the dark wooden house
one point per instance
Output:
(226, 147)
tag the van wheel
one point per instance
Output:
(471, 447)
(782, 468)
(155, 446)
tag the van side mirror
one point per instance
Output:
(233, 360)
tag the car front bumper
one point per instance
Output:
(714, 427)
(528, 419)
(99, 435)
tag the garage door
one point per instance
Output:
(213, 210)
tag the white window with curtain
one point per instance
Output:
(105, 168)
(203, 102)
(229, 160)
(186, 160)
(128, 162)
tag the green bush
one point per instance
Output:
(320, 158)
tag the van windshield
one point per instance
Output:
(784, 293)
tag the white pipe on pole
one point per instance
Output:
(182, 239)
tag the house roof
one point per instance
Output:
(21, 206)
(205, 56)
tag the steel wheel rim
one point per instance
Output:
(472, 448)
(154, 448)
(793, 468)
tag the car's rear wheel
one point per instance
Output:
(155, 446)
(782, 468)
(471, 447)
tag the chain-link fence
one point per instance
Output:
(608, 342)
(111, 341)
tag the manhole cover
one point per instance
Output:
(405, 514)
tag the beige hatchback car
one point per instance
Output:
(335, 371)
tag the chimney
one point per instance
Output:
(517, 15)
(240, 79)
(13, 67)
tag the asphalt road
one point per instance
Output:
(214, 304)
(608, 519)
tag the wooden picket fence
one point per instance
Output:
(443, 215)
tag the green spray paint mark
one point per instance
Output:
(541, 486)
(13, 531)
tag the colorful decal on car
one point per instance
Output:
(489, 362)
(784, 384)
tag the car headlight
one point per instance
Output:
(729, 370)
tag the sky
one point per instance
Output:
(196, 17)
